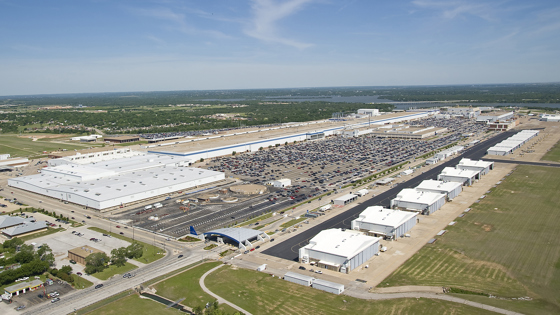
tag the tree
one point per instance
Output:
(66, 269)
(26, 254)
(135, 250)
(12, 244)
(118, 256)
(96, 262)
(45, 254)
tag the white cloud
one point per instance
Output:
(267, 14)
(178, 20)
(453, 9)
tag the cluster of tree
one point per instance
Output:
(163, 119)
(32, 262)
(63, 273)
(213, 309)
(97, 262)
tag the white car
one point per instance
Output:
(319, 272)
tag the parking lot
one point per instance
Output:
(38, 296)
(61, 242)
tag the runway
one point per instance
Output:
(289, 248)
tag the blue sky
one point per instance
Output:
(117, 45)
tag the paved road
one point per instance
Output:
(288, 249)
(220, 300)
(552, 164)
(388, 296)
(78, 299)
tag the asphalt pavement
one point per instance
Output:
(289, 248)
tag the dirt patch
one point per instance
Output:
(37, 137)
(487, 227)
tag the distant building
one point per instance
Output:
(550, 117)
(123, 139)
(368, 111)
(467, 112)
(493, 117)
(280, 183)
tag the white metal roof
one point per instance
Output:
(416, 196)
(388, 217)
(329, 284)
(113, 185)
(451, 171)
(236, 234)
(299, 276)
(346, 197)
(438, 185)
(473, 163)
(346, 243)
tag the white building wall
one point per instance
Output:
(363, 256)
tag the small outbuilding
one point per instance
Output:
(28, 227)
(299, 278)
(344, 200)
(387, 223)
(280, 183)
(411, 199)
(328, 286)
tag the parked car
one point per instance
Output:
(319, 272)
(72, 261)
(180, 256)
(99, 286)
(55, 300)
(301, 268)
(79, 273)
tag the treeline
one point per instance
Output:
(32, 263)
(166, 119)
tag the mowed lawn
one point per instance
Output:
(553, 154)
(133, 304)
(507, 245)
(185, 285)
(24, 146)
(259, 293)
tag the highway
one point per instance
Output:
(288, 249)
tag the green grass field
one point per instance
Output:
(259, 293)
(133, 304)
(507, 245)
(553, 154)
(114, 270)
(185, 285)
(151, 252)
(80, 283)
(25, 147)
(293, 221)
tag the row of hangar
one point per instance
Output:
(345, 250)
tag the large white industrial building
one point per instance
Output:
(388, 223)
(411, 199)
(110, 183)
(339, 250)
(449, 189)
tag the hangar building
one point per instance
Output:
(450, 189)
(415, 200)
(106, 184)
(339, 250)
(480, 166)
(388, 223)
(465, 177)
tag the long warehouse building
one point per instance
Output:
(387, 223)
(112, 183)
